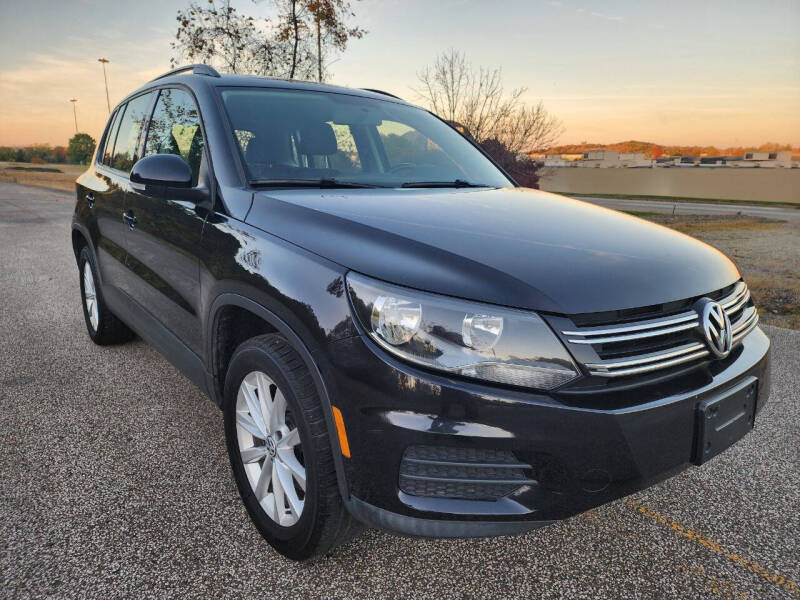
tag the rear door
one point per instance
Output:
(162, 266)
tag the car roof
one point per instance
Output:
(199, 80)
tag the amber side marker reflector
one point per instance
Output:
(343, 444)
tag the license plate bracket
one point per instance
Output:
(724, 419)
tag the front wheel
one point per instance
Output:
(280, 450)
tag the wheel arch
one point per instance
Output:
(228, 301)
(79, 239)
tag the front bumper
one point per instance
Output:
(584, 449)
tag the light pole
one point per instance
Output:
(75, 112)
(105, 78)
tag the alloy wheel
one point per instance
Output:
(270, 449)
(90, 296)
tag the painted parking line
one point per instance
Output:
(777, 579)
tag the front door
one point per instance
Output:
(162, 266)
(107, 193)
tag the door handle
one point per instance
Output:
(130, 219)
(90, 199)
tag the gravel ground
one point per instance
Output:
(114, 482)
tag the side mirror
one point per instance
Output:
(168, 170)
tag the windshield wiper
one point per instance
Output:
(323, 183)
(457, 183)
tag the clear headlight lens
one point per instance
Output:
(491, 343)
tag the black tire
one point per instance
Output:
(110, 330)
(324, 522)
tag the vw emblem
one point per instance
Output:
(271, 447)
(715, 327)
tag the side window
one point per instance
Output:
(175, 129)
(111, 135)
(131, 124)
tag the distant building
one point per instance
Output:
(635, 160)
(769, 160)
(562, 160)
(600, 159)
(555, 160)
(714, 161)
(686, 161)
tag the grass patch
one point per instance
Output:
(48, 179)
(703, 224)
(682, 199)
(776, 298)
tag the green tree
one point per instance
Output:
(80, 148)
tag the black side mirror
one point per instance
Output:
(168, 170)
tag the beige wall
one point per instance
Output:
(772, 185)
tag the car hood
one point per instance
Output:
(516, 247)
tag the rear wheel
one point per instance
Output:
(280, 450)
(102, 325)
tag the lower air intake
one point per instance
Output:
(461, 473)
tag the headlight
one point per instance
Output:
(491, 343)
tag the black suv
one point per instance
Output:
(398, 335)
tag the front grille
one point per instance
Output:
(636, 347)
(463, 473)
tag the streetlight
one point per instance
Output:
(75, 112)
(105, 78)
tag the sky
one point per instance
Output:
(724, 73)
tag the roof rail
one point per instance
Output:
(196, 69)
(381, 92)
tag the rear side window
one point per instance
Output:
(130, 127)
(111, 135)
(175, 129)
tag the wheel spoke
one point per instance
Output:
(245, 421)
(277, 491)
(285, 477)
(290, 440)
(277, 415)
(88, 283)
(264, 400)
(253, 454)
(262, 485)
(298, 471)
(255, 410)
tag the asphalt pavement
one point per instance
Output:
(114, 482)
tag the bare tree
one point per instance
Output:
(304, 24)
(475, 97)
(293, 43)
(332, 31)
(216, 33)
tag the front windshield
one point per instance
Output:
(297, 136)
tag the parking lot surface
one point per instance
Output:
(114, 482)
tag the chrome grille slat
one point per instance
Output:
(683, 350)
(647, 358)
(738, 292)
(638, 327)
(653, 366)
(733, 307)
(638, 336)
